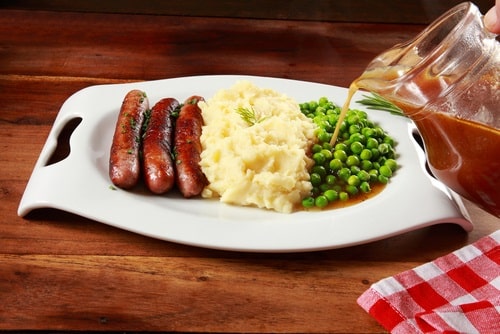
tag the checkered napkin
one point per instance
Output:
(456, 293)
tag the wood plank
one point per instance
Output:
(388, 11)
(128, 47)
(237, 295)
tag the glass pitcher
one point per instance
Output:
(446, 80)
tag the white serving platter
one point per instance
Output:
(80, 184)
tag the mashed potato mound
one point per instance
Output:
(262, 164)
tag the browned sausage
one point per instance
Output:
(190, 178)
(157, 146)
(124, 165)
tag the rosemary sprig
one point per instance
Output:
(376, 101)
(249, 116)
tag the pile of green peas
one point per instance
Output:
(362, 155)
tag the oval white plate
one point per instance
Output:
(79, 184)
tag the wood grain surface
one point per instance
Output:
(61, 272)
(387, 11)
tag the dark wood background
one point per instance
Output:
(387, 11)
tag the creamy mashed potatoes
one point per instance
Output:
(261, 164)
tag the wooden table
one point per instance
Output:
(59, 271)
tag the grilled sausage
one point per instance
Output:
(124, 164)
(157, 146)
(189, 178)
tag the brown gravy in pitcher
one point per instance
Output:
(463, 154)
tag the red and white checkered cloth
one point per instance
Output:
(456, 293)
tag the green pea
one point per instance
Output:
(375, 153)
(308, 202)
(324, 136)
(319, 158)
(367, 132)
(324, 187)
(357, 137)
(315, 179)
(354, 128)
(379, 132)
(362, 114)
(321, 201)
(327, 146)
(351, 190)
(371, 143)
(316, 148)
(352, 160)
(365, 187)
(332, 118)
(392, 164)
(352, 119)
(363, 175)
(365, 154)
(366, 165)
(343, 127)
(355, 169)
(328, 127)
(356, 147)
(344, 173)
(331, 195)
(383, 148)
(335, 164)
(318, 169)
(385, 171)
(383, 179)
(340, 154)
(373, 175)
(341, 147)
(353, 180)
(320, 110)
(323, 101)
(343, 196)
(327, 154)
(318, 119)
(331, 180)
(389, 140)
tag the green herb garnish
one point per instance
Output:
(145, 123)
(177, 110)
(249, 116)
(376, 101)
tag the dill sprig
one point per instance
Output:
(376, 101)
(249, 115)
